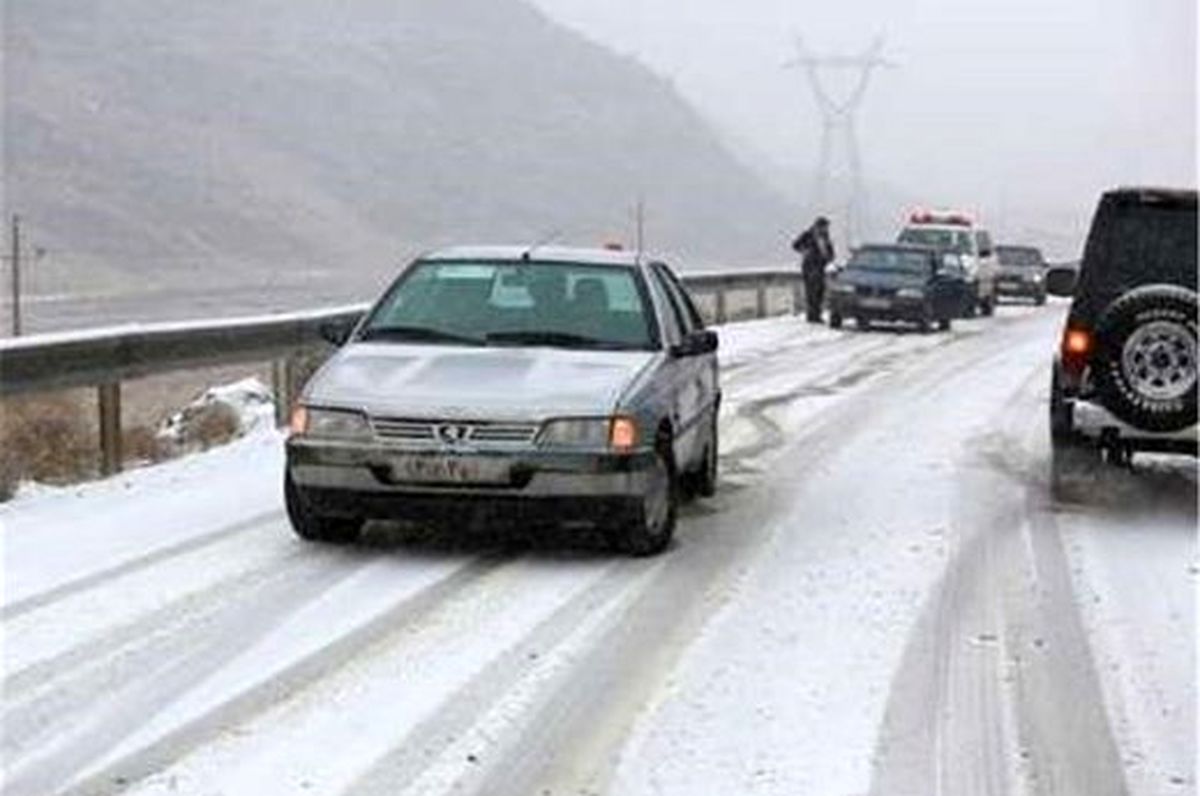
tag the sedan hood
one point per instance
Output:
(884, 279)
(486, 383)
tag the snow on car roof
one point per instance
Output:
(565, 254)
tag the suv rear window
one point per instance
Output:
(1136, 242)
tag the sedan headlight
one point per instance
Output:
(616, 433)
(910, 293)
(842, 289)
(330, 423)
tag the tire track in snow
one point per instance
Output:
(139, 605)
(1072, 750)
(870, 361)
(116, 692)
(627, 670)
(298, 674)
(46, 694)
(428, 740)
(151, 559)
(956, 721)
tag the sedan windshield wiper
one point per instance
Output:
(420, 333)
(558, 339)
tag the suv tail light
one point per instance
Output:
(1077, 346)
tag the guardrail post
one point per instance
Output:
(720, 294)
(760, 299)
(278, 390)
(283, 385)
(110, 428)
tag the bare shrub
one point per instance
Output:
(140, 445)
(199, 427)
(48, 438)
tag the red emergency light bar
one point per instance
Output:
(930, 217)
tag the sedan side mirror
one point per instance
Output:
(704, 341)
(336, 332)
(1061, 281)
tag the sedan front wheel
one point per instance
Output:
(314, 527)
(650, 529)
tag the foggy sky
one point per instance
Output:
(1023, 110)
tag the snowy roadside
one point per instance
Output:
(1136, 579)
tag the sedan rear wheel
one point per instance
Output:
(706, 479)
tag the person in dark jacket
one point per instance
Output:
(816, 251)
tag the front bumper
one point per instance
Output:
(359, 479)
(1014, 288)
(896, 309)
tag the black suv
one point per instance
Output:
(1125, 375)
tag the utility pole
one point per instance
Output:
(838, 129)
(15, 259)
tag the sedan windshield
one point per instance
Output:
(916, 262)
(563, 305)
(1019, 255)
(949, 239)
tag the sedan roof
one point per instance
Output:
(541, 254)
(901, 247)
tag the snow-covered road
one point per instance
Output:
(882, 598)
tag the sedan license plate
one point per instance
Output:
(450, 470)
(876, 303)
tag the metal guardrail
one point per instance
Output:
(105, 358)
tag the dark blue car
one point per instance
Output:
(899, 282)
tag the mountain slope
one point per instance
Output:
(169, 143)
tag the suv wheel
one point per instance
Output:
(1145, 365)
(650, 529)
(314, 527)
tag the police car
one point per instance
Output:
(958, 232)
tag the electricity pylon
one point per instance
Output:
(838, 130)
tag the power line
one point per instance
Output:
(838, 125)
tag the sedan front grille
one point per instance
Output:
(403, 430)
(453, 432)
(878, 292)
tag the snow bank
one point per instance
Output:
(249, 402)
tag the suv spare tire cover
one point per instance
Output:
(1145, 363)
